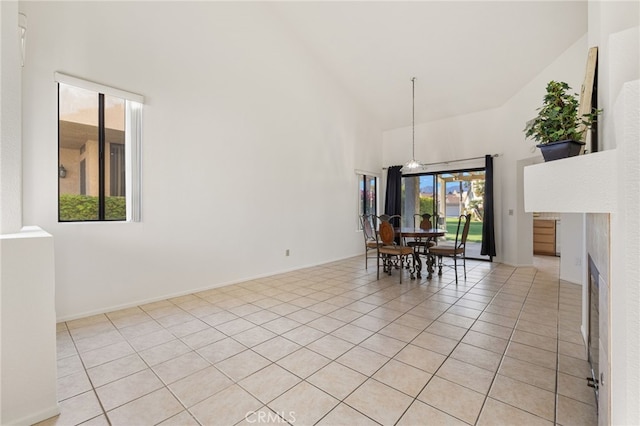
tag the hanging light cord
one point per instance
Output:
(413, 164)
(413, 118)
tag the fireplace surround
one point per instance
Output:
(593, 331)
(598, 321)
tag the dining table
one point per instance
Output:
(424, 235)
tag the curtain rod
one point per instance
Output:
(452, 161)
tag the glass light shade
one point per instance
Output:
(413, 164)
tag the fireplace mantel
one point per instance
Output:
(581, 184)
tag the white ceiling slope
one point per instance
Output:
(466, 55)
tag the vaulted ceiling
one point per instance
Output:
(466, 55)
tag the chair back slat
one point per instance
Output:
(465, 231)
(395, 219)
(386, 233)
(367, 227)
(464, 222)
(425, 221)
(456, 251)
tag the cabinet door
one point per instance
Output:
(544, 237)
(544, 248)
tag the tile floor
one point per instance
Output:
(330, 345)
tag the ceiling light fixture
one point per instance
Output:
(413, 164)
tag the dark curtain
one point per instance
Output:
(488, 232)
(393, 198)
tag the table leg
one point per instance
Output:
(431, 260)
(417, 263)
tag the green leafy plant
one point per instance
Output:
(426, 204)
(558, 116)
(85, 207)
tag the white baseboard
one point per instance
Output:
(34, 418)
(194, 290)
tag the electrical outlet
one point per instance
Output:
(286, 252)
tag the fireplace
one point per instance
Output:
(597, 309)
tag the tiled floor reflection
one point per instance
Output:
(330, 345)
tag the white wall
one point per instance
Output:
(489, 132)
(614, 26)
(10, 149)
(27, 315)
(615, 66)
(625, 263)
(28, 329)
(248, 148)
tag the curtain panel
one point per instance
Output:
(393, 197)
(488, 231)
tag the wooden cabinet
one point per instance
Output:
(544, 237)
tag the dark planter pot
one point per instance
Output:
(560, 149)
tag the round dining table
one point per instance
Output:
(423, 235)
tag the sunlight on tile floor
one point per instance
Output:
(330, 345)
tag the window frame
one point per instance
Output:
(435, 173)
(132, 145)
(362, 178)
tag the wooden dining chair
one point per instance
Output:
(370, 241)
(421, 244)
(455, 250)
(391, 253)
(395, 220)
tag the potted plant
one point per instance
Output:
(558, 128)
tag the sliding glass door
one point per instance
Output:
(446, 195)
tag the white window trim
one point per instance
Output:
(358, 174)
(59, 77)
(133, 136)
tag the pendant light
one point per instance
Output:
(413, 164)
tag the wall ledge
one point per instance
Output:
(581, 184)
(27, 232)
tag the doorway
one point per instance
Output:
(446, 195)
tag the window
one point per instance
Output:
(98, 152)
(367, 195)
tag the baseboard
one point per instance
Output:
(517, 265)
(196, 290)
(34, 418)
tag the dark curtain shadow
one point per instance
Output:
(488, 231)
(393, 198)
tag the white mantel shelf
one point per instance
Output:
(581, 184)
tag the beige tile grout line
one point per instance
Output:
(84, 367)
(460, 341)
(237, 383)
(504, 354)
(407, 344)
(340, 307)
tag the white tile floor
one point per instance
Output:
(330, 345)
